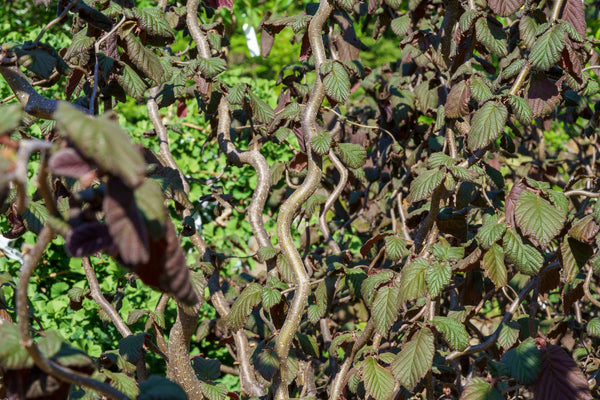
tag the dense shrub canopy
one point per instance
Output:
(374, 199)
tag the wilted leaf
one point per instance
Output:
(415, 359)
(573, 12)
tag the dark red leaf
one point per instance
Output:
(585, 230)
(87, 239)
(299, 162)
(511, 201)
(182, 109)
(297, 129)
(72, 82)
(549, 279)
(504, 8)
(573, 12)
(305, 49)
(347, 45)
(68, 162)
(457, 103)
(125, 223)
(167, 269)
(542, 95)
(560, 378)
(220, 3)
(18, 227)
(366, 248)
(570, 295)
(570, 62)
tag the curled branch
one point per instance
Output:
(331, 199)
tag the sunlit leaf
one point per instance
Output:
(487, 125)
(547, 48)
(385, 308)
(379, 381)
(493, 262)
(415, 359)
(455, 333)
(538, 218)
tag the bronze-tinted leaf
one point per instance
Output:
(87, 239)
(585, 230)
(457, 103)
(504, 8)
(542, 94)
(125, 223)
(560, 378)
(573, 12)
(511, 201)
(68, 162)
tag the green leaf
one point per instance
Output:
(385, 309)
(80, 43)
(395, 247)
(424, 185)
(12, 354)
(487, 125)
(480, 89)
(237, 93)
(573, 256)
(547, 48)
(124, 383)
(415, 359)
(369, 286)
(447, 253)
(527, 30)
(214, 392)
(144, 59)
(479, 389)
(309, 344)
(160, 388)
(413, 284)
(490, 232)
(130, 347)
(509, 333)
(455, 333)
(149, 199)
(321, 142)
(270, 297)
(354, 279)
(379, 381)
(526, 257)
(467, 20)
(401, 25)
(153, 21)
(337, 83)
(523, 362)
(593, 327)
(241, 309)
(353, 155)
(134, 315)
(40, 60)
(437, 277)
(266, 253)
(521, 109)
(513, 69)
(439, 159)
(35, 216)
(76, 293)
(493, 262)
(211, 67)
(10, 117)
(538, 218)
(103, 141)
(260, 110)
(490, 33)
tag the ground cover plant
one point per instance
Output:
(396, 199)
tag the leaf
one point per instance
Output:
(401, 25)
(526, 257)
(424, 185)
(309, 344)
(87, 239)
(130, 347)
(153, 21)
(573, 256)
(505, 8)
(103, 141)
(437, 277)
(354, 279)
(125, 223)
(547, 48)
(385, 309)
(413, 284)
(509, 333)
(369, 285)
(455, 333)
(528, 26)
(337, 83)
(487, 125)
(123, 383)
(241, 309)
(80, 43)
(131, 82)
(68, 162)
(40, 60)
(480, 89)
(457, 102)
(573, 12)
(12, 354)
(160, 388)
(270, 297)
(206, 369)
(479, 389)
(585, 230)
(379, 381)
(35, 216)
(490, 232)
(415, 359)
(267, 363)
(537, 218)
(490, 33)
(493, 262)
(513, 69)
(321, 142)
(149, 199)
(395, 247)
(542, 95)
(135, 315)
(353, 155)
(260, 110)
(593, 327)
(523, 363)
(142, 58)
(211, 67)
(214, 392)
(266, 253)
(521, 109)
(560, 377)
(467, 19)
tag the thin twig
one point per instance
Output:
(54, 22)
(586, 288)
